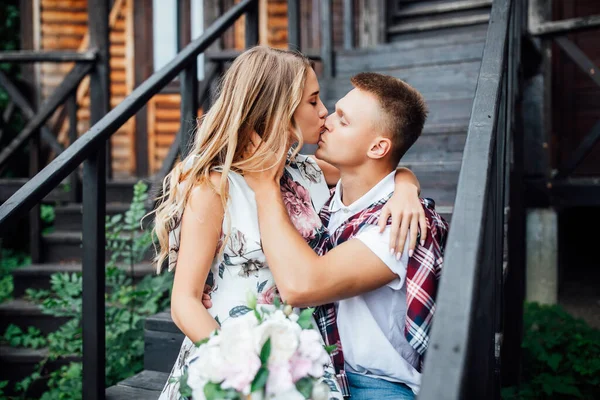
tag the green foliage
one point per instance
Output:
(10, 260)
(561, 357)
(127, 306)
(15, 337)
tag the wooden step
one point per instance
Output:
(162, 339)
(37, 276)
(69, 217)
(444, 82)
(119, 191)
(66, 247)
(429, 8)
(395, 56)
(24, 314)
(18, 363)
(144, 385)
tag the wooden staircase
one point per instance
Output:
(60, 252)
(444, 67)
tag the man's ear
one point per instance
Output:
(380, 147)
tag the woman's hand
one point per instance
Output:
(407, 213)
(269, 172)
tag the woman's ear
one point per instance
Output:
(380, 148)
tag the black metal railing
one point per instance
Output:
(464, 355)
(90, 149)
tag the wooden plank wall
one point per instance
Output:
(63, 26)
(575, 97)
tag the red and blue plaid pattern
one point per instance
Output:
(422, 276)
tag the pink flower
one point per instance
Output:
(300, 367)
(240, 375)
(299, 207)
(280, 378)
(267, 296)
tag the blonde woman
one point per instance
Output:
(207, 223)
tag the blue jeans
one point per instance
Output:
(367, 388)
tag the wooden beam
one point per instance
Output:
(33, 56)
(584, 148)
(348, 24)
(551, 28)
(581, 60)
(293, 14)
(327, 38)
(252, 25)
(96, 169)
(21, 102)
(144, 67)
(61, 93)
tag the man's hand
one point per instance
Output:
(407, 213)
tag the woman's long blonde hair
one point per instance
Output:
(259, 93)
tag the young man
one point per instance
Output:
(384, 301)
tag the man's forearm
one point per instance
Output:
(289, 257)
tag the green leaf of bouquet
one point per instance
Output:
(265, 352)
(305, 318)
(260, 380)
(184, 389)
(330, 349)
(276, 301)
(201, 342)
(305, 386)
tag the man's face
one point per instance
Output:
(350, 130)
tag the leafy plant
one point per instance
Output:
(10, 260)
(561, 357)
(127, 306)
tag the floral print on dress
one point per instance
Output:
(241, 248)
(308, 168)
(299, 207)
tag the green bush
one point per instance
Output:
(10, 260)
(561, 357)
(127, 306)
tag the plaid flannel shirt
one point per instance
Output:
(422, 277)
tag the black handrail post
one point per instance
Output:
(348, 24)
(94, 211)
(74, 181)
(35, 220)
(327, 38)
(252, 25)
(188, 86)
(293, 14)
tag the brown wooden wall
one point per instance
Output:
(63, 26)
(575, 97)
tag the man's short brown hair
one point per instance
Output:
(404, 108)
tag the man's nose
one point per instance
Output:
(328, 123)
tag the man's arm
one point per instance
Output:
(302, 277)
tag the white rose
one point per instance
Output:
(284, 339)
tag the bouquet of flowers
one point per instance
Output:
(268, 353)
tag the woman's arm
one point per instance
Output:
(200, 232)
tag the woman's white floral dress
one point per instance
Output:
(242, 268)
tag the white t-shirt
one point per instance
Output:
(372, 325)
